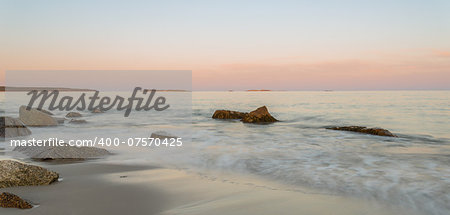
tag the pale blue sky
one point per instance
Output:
(203, 36)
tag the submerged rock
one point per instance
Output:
(97, 110)
(63, 151)
(260, 115)
(228, 114)
(365, 130)
(11, 127)
(161, 136)
(9, 200)
(60, 120)
(78, 121)
(13, 173)
(73, 115)
(35, 117)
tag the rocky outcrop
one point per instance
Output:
(260, 115)
(11, 127)
(9, 200)
(365, 130)
(59, 152)
(73, 115)
(13, 173)
(35, 117)
(228, 114)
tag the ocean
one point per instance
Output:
(412, 171)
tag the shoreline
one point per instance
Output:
(101, 188)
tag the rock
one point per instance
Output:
(228, 114)
(35, 117)
(63, 151)
(365, 130)
(97, 110)
(260, 115)
(11, 127)
(13, 173)
(9, 200)
(78, 121)
(73, 115)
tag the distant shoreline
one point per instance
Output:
(262, 90)
(26, 89)
(21, 89)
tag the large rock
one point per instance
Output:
(35, 117)
(13, 173)
(365, 130)
(73, 115)
(63, 151)
(9, 200)
(260, 115)
(228, 114)
(11, 127)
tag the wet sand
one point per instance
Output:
(94, 188)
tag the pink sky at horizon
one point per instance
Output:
(368, 73)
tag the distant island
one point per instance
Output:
(262, 90)
(173, 90)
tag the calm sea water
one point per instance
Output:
(412, 170)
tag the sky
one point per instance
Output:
(239, 45)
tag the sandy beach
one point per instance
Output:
(96, 188)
